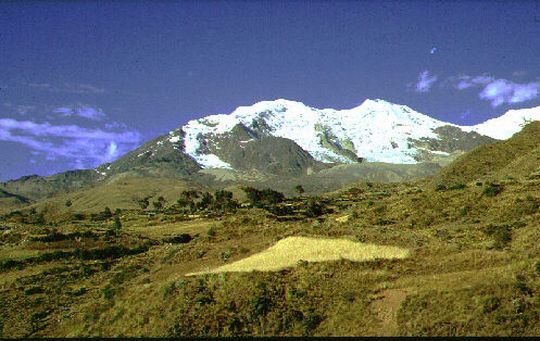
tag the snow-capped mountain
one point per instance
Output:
(376, 130)
(503, 127)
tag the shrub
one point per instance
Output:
(107, 213)
(158, 205)
(79, 216)
(280, 210)
(103, 215)
(68, 203)
(492, 190)
(33, 290)
(206, 201)
(457, 186)
(225, 255)
(501, 234)
(211, 232)
(261, 198)
(108, 292)
(440, 187)
(79, 292)
(143, 203)
(117, 222)
(299, 189)
(180, 239)
(224, 201)
(521, 285)
(314, 209)
(537, 267)
(529, 205)
(491, 304)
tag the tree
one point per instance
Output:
(157, 205)
(206, 200)
(117, 222)
(299, 189)
(143, 203)
(314, 209)
(262, 198)
(190, 194)
(107, 213)
(224, 200)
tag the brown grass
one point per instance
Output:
(289, 251)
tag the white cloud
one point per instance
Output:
(425, 81)
(74, 88)
(81, 147)
(466, 82)
(84, 111)
(498, 91)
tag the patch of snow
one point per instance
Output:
(211, 161)
(175, 139)
(439, 152)
(503, 127)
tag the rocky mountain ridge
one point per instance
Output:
(288, 139)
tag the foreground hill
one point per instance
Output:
(517, 157)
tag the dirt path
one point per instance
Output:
(386, 308)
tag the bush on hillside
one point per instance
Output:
(207, 201)
(143, 203)
(261, 198)
(492, 190)
(502, 235)
(314, 209)
(224, 201)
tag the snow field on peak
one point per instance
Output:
(503, 127)
(378, 130)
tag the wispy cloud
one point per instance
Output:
(21, 109)
(73, 88)
(465, 82)
(84, 111)
(425, 81)
(80, 147)
(498, 91)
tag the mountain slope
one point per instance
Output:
(517, 156)
(161, 157)
(35, 187)
(288, 139)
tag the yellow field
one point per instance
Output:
(289, 251)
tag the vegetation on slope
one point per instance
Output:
(473, 267)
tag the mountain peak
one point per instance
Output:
(376, 130)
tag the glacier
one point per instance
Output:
(376, 130)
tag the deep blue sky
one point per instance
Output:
(82, 82)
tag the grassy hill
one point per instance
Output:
(469, 259)
(515, 157)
